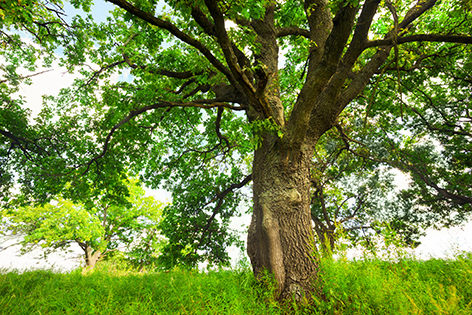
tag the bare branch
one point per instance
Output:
(28, 76)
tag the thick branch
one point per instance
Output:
(332, 89)
(239, 78)
(319, 75)
(176, 32)
(209, 28)
(363, 77)
(461, 39)
(320, 22)
(218, 125)
(292, 30)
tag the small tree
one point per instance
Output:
(98, 227)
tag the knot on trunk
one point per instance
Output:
(294, 197)
(282, 200)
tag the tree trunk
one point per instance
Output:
(280, 237)
(91, 258)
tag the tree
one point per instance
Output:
(98, 227)
(210, 109)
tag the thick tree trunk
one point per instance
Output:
(91, 257)
(280, 237)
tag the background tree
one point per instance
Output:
(211, 107)
(97, 226)
(356, 196)
(426, 127)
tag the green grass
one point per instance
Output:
(369, 286)
(409, 286)
(113, 292)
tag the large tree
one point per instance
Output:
(212, 106)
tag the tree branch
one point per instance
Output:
(218, 125)
(97, 73)
(167, 73)
(210, 29)
(28, 76)
(220, 197)
(240, 79)
(176, 32)
(207, 104)
(458, 199)
(292, 30)
(319, 74)
(363, 77)
(460, 39)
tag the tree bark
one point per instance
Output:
(280, 238)
(91, 257)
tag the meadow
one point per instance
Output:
(370, 285)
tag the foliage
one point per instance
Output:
(96, 226)
(422, 129)
(357, 195)
(204, 97)
(30, 32)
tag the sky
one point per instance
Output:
(437, 244)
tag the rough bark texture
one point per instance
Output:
(280, 235)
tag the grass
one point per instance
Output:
(106, 291)
(367, 286)
(408, 286)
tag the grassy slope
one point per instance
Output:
(350, 287)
